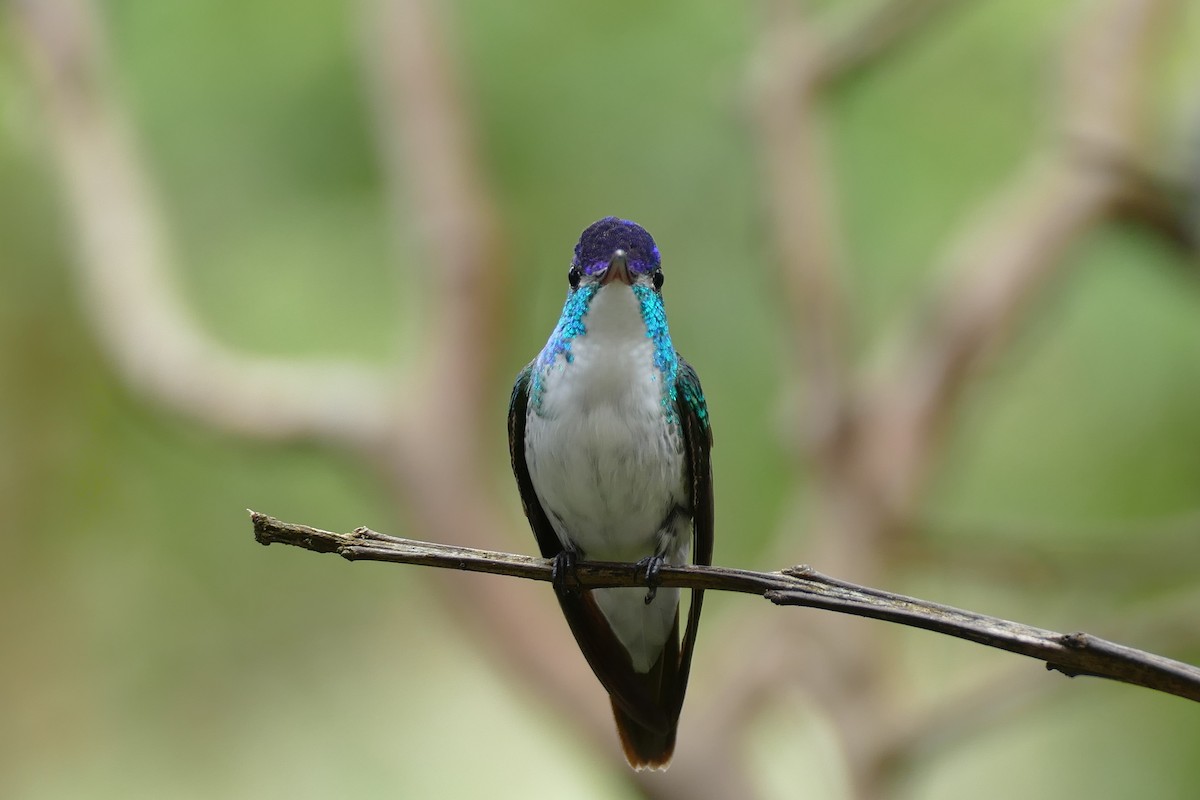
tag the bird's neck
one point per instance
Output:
(616, 337)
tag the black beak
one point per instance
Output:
(617, 270)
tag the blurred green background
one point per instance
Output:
(149, 649)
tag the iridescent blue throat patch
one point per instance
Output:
(570, 325)
(655, 317)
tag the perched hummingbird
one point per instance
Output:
(609, 437)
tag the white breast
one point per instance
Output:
(606, 465)
(608, 468)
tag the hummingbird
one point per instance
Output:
(609, 436)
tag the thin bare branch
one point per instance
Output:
(126, 262)
(951, 721)
(1072, 654)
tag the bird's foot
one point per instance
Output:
(562, 571)
(653, 566)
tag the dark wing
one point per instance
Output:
(697, 439)
(518, 409)
(645, 742)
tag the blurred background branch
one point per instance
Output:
(127, 270)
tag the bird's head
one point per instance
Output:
(616, 250)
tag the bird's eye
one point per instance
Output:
(573, 277)
(658, 279)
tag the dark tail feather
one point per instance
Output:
(644, 748)
(652, 747)
(646, 705)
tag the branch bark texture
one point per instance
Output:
(1072, 654)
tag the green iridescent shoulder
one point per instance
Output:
(690, 395)
(521, 385)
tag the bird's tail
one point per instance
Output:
(646, 705)
(649, 747)
(644, 747)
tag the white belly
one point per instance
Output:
(608, 467)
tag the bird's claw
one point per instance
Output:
(562, 571)
(653, 566)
